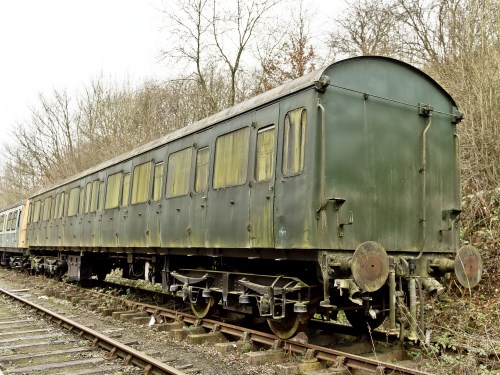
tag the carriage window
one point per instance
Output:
(36, 211)
(47, 206)
(179, 168)
(73, 201)
(231, 159)
(15, 220)
(95, 196)
(62, 205)
(201, 173)
(141, 182)
(2, 221)
(100, 204)
(113, 190)
(56, 205)
(125, 188)
(13, 225)
(82, 201)
(264, 154)
(9, 222)
(29, 212)
(66, 204)
(294, 142)
(158, 181)
(88, 195)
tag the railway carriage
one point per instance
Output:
(314, 197)
(12, 235)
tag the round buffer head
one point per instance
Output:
(468, 266)
(370, 266)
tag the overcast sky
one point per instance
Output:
(64, 44)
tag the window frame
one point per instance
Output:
(94, 196)
(88, 197)
(187, 150)
(247, 158)
(125, 190)
(117, 198)
(147, 188)
(206, 183)
(55, 209)
(155, 188)
(9, 221)
(62, 205)
(303, 141)
(101, 196)
(73, 206)
(81, 201)
(35, 216)
(49, 210)
(29, 212)
(273, 128)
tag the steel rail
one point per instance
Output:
(127, 353)
(326, 354)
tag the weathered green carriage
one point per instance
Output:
(312, 197)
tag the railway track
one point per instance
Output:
(29, 345)
(263, 347)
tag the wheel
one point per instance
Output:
(204, 307)
(360, 321)
(293, 322)
(287, 327)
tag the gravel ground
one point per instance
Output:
(158, 344)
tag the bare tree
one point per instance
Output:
(48, 140)
(189, 27)
(212, 38)
(443, 30)
(367, 27)
(45, 149)
(61, 139)
(14, 186)
(289, 50)
(237, 28)
(104, 118)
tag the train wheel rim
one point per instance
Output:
(287, 327)
(203, 308)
